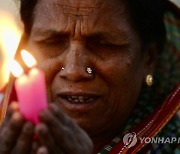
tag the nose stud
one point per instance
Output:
(89, 70)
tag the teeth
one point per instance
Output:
(70, 99)
(79, 99)
(76, 100)
(74, 97)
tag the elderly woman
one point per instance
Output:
(99, 58)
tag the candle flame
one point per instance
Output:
(29, 60)
(16, 69)
(10, 36)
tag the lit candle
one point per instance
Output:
(30, 89)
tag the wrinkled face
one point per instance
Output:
(91, 33)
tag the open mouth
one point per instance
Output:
(79, 99)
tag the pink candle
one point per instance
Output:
(30, 88)
(31, 93)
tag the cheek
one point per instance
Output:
(124, 79)
(51, 67)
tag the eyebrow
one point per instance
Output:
(40, 33)
(49, 32)
(110, 36)
(101, 35)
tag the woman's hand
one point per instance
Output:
(58, 134)
(15, 133)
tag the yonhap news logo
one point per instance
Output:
(130, 140)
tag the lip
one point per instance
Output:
(85, 101)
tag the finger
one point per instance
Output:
(35, 146)
(42, 150)
(67, 134)
(46, 139)
(23, 145)
(63, 118)
(9, 134)
(12, 108)
(62, 134)
(59, 113)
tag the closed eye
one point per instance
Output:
(54, 40)
(105, 44)
(53, 46)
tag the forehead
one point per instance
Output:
(80, 3)
(75, 8)
(80, 7)
(94, 15)
(77, 3)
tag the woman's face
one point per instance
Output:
(92, 33)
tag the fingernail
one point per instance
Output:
(42, 150)
(53, 108)
(41, 129)
(28, 127)
(17, 116)
(16, 120)
(14, 106)
(44, 115)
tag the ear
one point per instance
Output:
(150, 58)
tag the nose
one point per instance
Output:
(76, 65)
